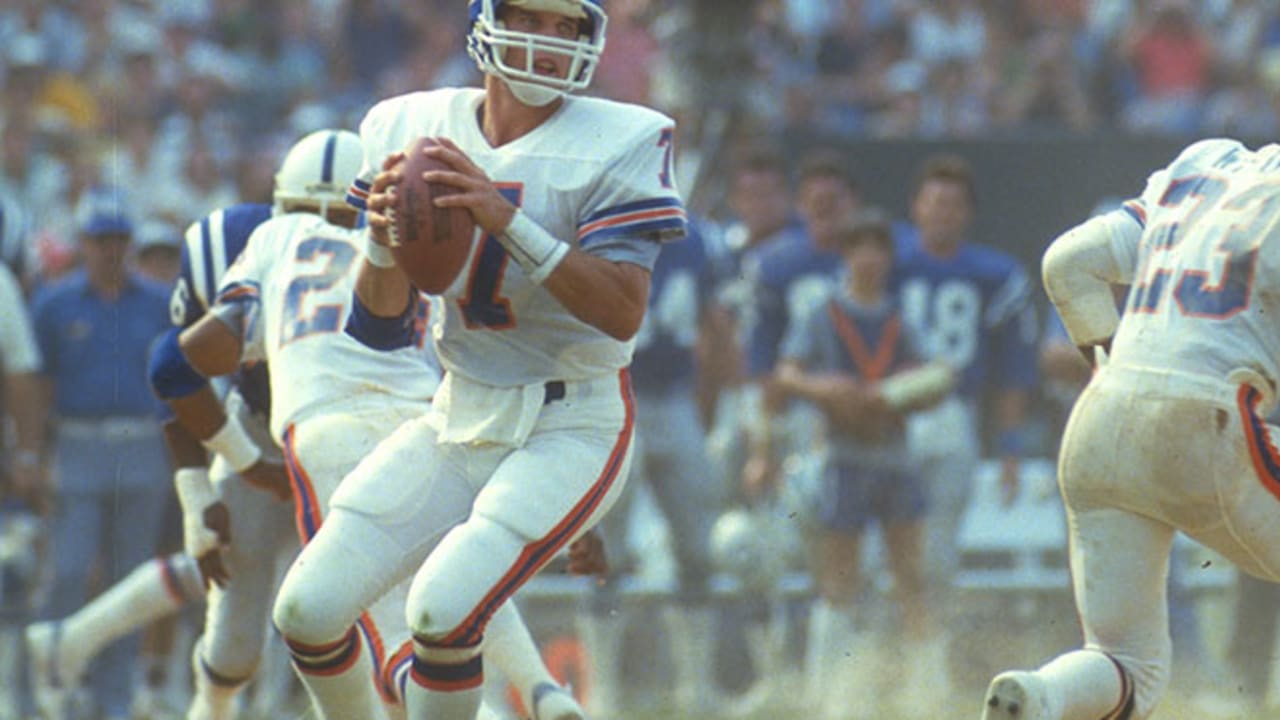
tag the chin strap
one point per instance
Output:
(533, 94)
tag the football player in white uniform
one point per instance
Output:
(1169, 434)
(528, 441)
(286, 300)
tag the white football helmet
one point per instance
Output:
(317, 171)
(744, 545)
(488, 40)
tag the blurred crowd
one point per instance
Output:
(957, 68)
(185, 106)
(188, 102)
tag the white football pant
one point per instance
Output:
(1147, 453)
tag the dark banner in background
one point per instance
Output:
(1029, 190)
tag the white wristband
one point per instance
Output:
(537, 251)
(195, 492)
(378, 255)
(234, 445)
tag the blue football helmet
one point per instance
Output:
(488, 40)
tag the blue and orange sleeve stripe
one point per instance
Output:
(661, 216)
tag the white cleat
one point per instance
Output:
(1016, 695)
(552, 702)
(208, 700)
(49, 681)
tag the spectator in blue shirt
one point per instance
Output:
(94, 328)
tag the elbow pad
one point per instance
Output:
(1078, 270)
(171, 376)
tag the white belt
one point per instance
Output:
(1164, 382)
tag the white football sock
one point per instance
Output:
(1084, 685)
(509, 646)
(445, 683)
(213, 698)
(155, 589)
(338, 677)
(273, 681)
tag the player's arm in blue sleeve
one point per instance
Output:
(384, 332)
(1015, 355)
(184, 307)
(184, 360)
(171, 375)
(1012, 331)
(768, 324)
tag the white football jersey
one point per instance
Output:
(1205, 293)
(596, 174)
(298, 275)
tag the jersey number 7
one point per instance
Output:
(483, 305)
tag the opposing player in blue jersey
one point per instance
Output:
(793, 273)
(671, 456)
(972, 306)
(761, 198)
(789, 276)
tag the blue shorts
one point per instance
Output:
(853, 496)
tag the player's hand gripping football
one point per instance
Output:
(269, 476)
(476, 192)
(382, 196)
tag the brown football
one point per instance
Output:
(430, 244)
